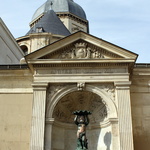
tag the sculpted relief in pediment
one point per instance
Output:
(81, 50)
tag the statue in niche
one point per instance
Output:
(81, 120)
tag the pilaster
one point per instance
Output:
(38, 116)
(48, 133)
(124, 115)
(115, 133)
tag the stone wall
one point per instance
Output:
(16, 96)
(15, 121)
(140, 100)
(15, 109)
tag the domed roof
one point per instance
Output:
(60, 6)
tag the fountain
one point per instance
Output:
(81, 120)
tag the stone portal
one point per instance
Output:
(99, 131)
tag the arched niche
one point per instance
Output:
(66, 99)
(62, 92)
(80, 100)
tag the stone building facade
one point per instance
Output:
(64, 71)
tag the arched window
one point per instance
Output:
(24, 49)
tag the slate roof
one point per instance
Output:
(60, 6)
(50, 23)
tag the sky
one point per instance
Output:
(125, 23)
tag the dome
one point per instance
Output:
(60, 6)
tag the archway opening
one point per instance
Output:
(64, 129)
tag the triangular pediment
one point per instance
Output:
(81, 46)
(81, 49)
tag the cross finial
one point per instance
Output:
(51, 5)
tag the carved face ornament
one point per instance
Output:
(80, 51)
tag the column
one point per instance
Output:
(48, 133)
(124, 115)
(38, 116)
(115, 134)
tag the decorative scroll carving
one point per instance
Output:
(81, 51)
(109, 89)
(53, 89)
(80, 86)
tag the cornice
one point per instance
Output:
(70, 15)
(73, 17)
(81, 63)
(122, 85)
(39, 86)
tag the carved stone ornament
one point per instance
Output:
(81, 100)
(81, 50)
(52, 90)
(80, 86)
(109, 90)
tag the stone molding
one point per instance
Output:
(122, 85)
(50, 120)
(39, 86)
(62, 90)
(104, 124)
(89, 71)
(16, 90)
(73, 17)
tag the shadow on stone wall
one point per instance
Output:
(93, 139)
(107, 140)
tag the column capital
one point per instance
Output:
(38, 86)
(122, 84)
(113, 120)
(50, 120)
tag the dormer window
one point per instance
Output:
(24, 49)
(39, 30)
